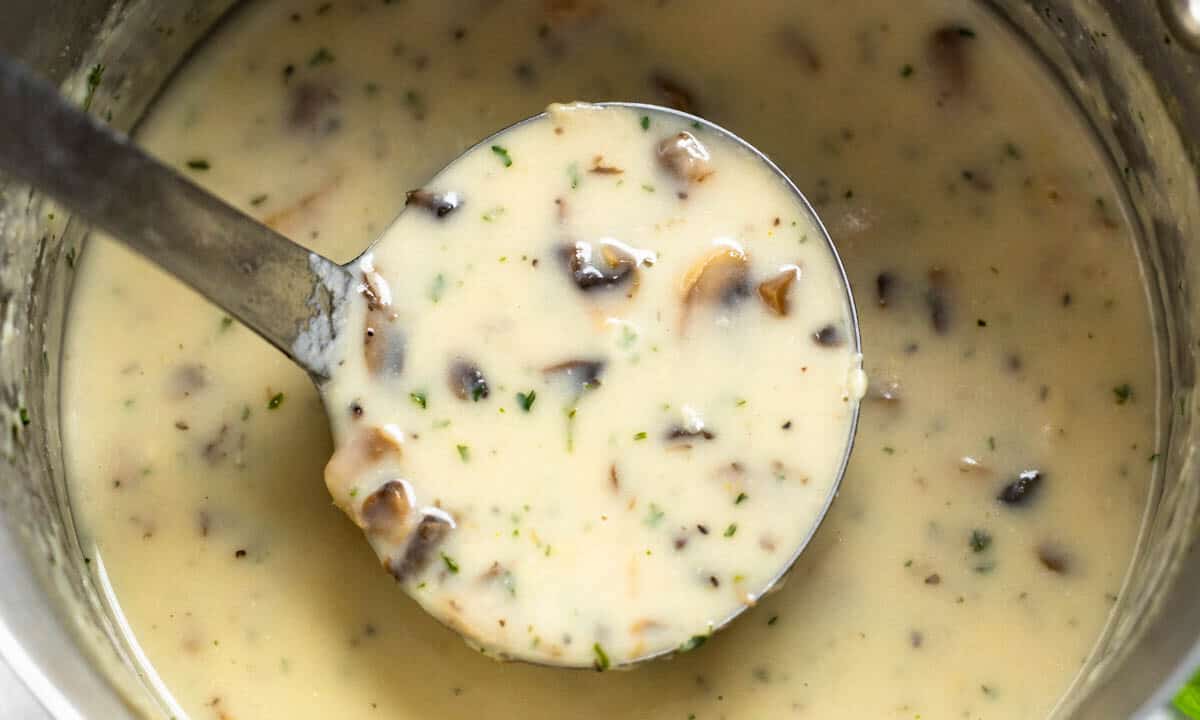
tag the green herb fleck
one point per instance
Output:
(438, 288)
(907, 71)
(889, 450)
(321, 57)
(526, 400)
(980, 540)
(198, 164)
(71, 258)
(1011, 150)
(648, 187)
(226, 323)
(1154, 457)
(23, 413)
(731, 530)
(645, 122)
(258, 199)
(1123, 393)
(741, 402)
(573, 174)
(275, 401)
(693, 643)
(492, 215)
(991, 442)
(773, 619)
(464, 452)
(354, 492)
(655, 515)
(639, 435)
(628, 337)
(741, 498)
(245, 413)
(965, 31)
(419, 399)
(93, 81)
(451, 565)
(502, 153)
(601, 663)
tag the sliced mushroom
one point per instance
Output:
(582, 374)
(384, 343)
(385, 512)
(829, 336)
(467, 381)
(1021, 490)
(440, 204)
(719, 275)
(774, 290)
(685, 157)
(431, 530)
(673, 93)
(590, 274)
(949, 54)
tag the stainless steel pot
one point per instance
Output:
(1134, 68)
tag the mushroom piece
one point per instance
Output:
(385, 511)
(673, 94)
(1021, 490)
(440, 204)
(582, 374)
(719, 275)
(431, 530)
(685, 157)
(948, 54)
(614, 265)
(774, 290)
(467, 381)
(383, 343)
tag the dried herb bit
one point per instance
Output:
(1021, 490)
(645, 122)
(582, 374)
(198, 164)
(673, 93)
(937, 300)
(741, 498)
(467, 382)
(731, 530)
(980, 540)
(440, 204)
(450, 563)
(464, 452)
(906, 71)
(829, 336)
(1123, 393)
(1054, 558)
(601, 662)
(275, 401)
(526, 400)
(419, 399)
(695, 642)
(502, 153)
(885, 288)
(321, 57)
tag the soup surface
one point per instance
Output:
(990, 509)
(603, 456)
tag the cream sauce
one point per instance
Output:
(594, 391)
(1001, 308)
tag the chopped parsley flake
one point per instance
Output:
(226, 323)
(418, 399)
(93, 82)
(438, 288)
(980, 540)
(573, 174)
(321, 57)
(648, 187)
(602, 662)
(907, 71)
(731, 530)
(502, 153)
(640, 436)
(451, 565)
(645, 122)
(464, 452)
(655, 515)
(693, 643)
(1123, 393)
(198, 164)
(275, 401)
(23, 413)
(741, 498)
(258, 199)
(526, 400)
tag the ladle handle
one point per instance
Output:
(279, 289)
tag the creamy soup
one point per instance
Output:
(987, 517)
(595, 387)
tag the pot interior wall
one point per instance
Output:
(1135, 101)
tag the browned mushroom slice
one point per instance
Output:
(719, 275)
(685, 157)
(431, 530)
(591, 273)
(673, 93)
(582, 374)
(440, 204)
(829, 336)
(383, 343)
(949, 54)
(774, 290)
(385, 512)
(467, 381)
